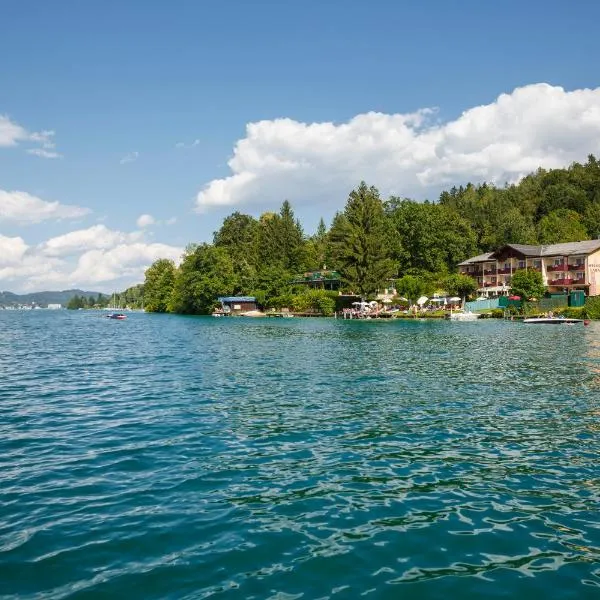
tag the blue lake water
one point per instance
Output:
(179, 457)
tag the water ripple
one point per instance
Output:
(174, 457)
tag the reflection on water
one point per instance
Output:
(169, 457)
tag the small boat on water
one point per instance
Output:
(118, 316)
(553, 321)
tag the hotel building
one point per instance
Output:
(564, 267)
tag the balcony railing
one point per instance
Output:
(579, 281)
(563, 281)
(489, 272)
(579, 267)
(552, 268)
(504, 271)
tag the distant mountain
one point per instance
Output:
(44, 298)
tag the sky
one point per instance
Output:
(131, 129)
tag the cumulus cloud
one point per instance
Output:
(125, 261)
(21, 207)
(145, 220)
(12, 133)
(12, 250)
(97, 237)
(129, 158)
(97, 257)
(409, 154)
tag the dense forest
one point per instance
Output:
(375, 240)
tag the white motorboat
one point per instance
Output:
(553, 321)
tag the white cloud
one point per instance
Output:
(409, 154)
(184, 145)
(12, 133)
(97, 257)
(129, 158)
(124, 262)
(145, 221)
(97, 237)
(12, 250)
(22, 207)
(171, 221)
(44, 153)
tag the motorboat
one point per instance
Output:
(117, 316)
(553, 321)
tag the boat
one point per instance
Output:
(553, 321)
(118, 316)
(463, 316)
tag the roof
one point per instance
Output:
(479, 258)
(237, 299)
(566, 249)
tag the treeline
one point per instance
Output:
(373, 241)
(100, 301)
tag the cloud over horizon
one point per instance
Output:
(95, 257)
(412, 154)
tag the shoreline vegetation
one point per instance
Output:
(376, 245)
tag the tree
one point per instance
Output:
(411, 287)
(460, 285)
(527, 284)
(158, 285)
(562, 225)
(360, 240)
(206, 273)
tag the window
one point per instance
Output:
(537, 264)
(521, 264)
(558, 262)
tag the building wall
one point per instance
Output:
(593, 273)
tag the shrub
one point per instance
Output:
(592, 307)
(496, 313)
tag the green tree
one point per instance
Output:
(411, 287)
(460, 285)
(158, 285)
(360, 242)
(527, 284)
(205, 273)
(562, 225)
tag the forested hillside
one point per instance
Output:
(374, 240)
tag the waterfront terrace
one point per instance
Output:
(564, 267)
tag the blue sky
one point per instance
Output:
(137, 78)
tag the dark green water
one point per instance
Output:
(172, 457)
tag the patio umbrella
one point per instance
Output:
(454, 299)
(437, 300)
(514, 297)
(422, 300)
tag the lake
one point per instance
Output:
(187, 457)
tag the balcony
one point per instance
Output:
(504, 271)
(551, 268)
(579, 281)
(579, 267)
(489, 272)
(563, 281)
(489, 283)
